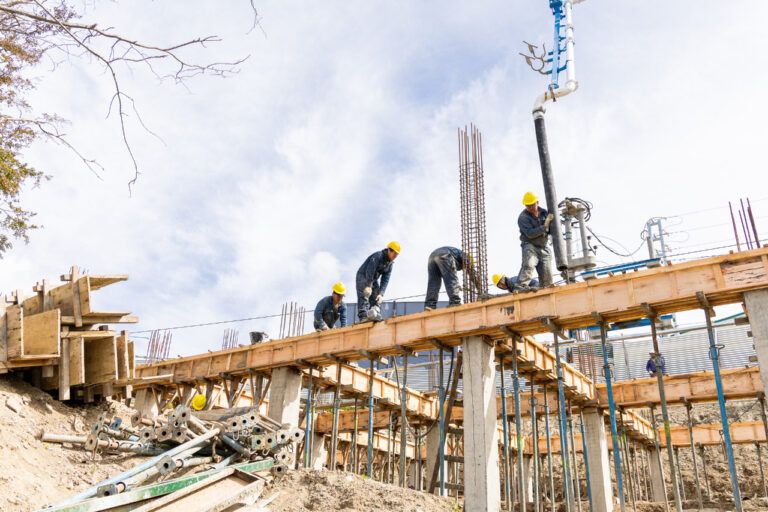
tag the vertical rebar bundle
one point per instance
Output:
(229, 340)
(159, 346)
(292, 320)
(472, 186)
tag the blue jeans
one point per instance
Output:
(329, 319)
(442, 266)
(364, 303)
(538, 258)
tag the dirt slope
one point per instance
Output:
(312, 490)
(34, 474)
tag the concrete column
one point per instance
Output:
(146, 404)
(757, 311)
(657, 476)
(528, 477)
(599, 462)
(433, 454)
(319, 458)
(285, 396)
(482, 491)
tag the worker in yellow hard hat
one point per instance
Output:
(331, 309)
(503, 282)
(372, 280)
(534, 223)
(444, 264)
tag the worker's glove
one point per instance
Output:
(548, 220)
(367, 291)
(323, 327)
(379, 298)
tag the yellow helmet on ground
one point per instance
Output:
(339, 289)
(496, 278)
(529, 198)
(198, 402)
(394, 246)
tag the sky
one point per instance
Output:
(338, 134)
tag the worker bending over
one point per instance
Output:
(331, 309)
(444, 263)
(372, 280)
(503, 282)
(534, 224)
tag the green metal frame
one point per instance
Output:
(134, 498)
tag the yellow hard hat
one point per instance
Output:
(394, 246)
(529, 198)
(339, 289)
(496, 278)
(198, 402)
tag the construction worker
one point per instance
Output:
(370, 290)
(503, 282)
(444, 263)
(331, 309)
(650, 366)
(534, 224)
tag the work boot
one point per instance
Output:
(427, 308)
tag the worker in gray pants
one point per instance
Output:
(444, 264)
(534, 224)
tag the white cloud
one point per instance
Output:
(339, 135)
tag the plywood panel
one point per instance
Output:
(572, 303)
(694, 280)
(536, 306)
(653, 288)
(62, 299)
(610, 296)
(100, 360)
(76, 361)
(15, 331)
(743, 273)
(41, 333)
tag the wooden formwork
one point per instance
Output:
(57, 332)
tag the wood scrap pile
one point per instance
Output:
(58, 339)
(239, 453)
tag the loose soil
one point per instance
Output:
(320, 490)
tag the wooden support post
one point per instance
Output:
(64, 390)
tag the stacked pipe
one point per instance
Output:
(181, 441)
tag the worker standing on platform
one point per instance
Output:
(370, 291)
(650, 366)
(331, 309)
(444, 263)
(534, 224)
(503, 282)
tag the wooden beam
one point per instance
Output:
(696, 387)
(710, 435)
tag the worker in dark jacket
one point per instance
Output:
(510, 283)
(444, 263)
(534, 224)
(331, 309)
(650, 366)
(372, 280)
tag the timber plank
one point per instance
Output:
(76, 361)
(15, 331)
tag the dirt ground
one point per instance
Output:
(312, 490)
(34, 474)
